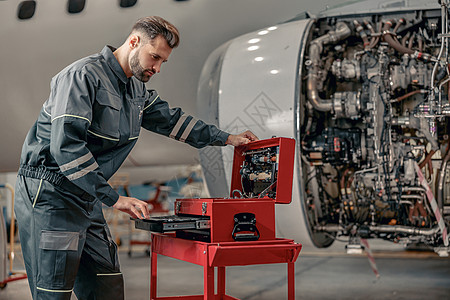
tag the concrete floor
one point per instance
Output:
(320, 274)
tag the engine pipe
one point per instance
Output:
(388, 38)
(411, 40)
(384, 229)
(444, 16)
(405, 38)
(440, 191)
(362, 33)
(315, 49)
(398, 24)
(375, 39)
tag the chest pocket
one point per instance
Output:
(137, 112)
(106, 116)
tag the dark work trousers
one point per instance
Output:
(66, 244)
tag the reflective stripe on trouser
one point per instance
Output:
(65, 244)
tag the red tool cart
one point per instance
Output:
(10, 276)
(239, 230)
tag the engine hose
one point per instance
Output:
(398, 24)
(315, 49)
(440, 191)
(362, 33)
(387, 37)
(411, 40)
(420, 42)
(405, 38)
(427, 159)
(375, 39)
(444, 14)
(372, 32)
(405, 96)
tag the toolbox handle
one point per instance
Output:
(245, 227)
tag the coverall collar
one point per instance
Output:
(107, 53)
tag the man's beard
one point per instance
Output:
(136, 68)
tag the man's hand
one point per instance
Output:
(241, 139)
(132, 206)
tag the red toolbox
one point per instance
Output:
(261, 176)
(237, 230)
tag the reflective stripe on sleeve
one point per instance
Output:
(83, 172)
(102, 136)
(188, 130)
(177, 127)
(77, 162)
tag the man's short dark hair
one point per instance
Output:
(153, 26)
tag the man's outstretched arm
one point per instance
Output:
(241, 139)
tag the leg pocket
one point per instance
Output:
(59, 259)
(112, 247)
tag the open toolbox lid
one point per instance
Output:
(264, 169)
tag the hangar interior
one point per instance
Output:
(346, 195)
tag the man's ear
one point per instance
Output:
(133, 41)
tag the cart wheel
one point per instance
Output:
(3, 285)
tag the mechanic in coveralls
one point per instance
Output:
(84, 132)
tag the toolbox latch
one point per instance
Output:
(245, 227)
(177, 207)
(204, 208)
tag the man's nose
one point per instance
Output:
(157, 68)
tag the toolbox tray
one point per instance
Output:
(172, 223)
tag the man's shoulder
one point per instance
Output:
(92, 65)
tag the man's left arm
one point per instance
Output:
(172, 122)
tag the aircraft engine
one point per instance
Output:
(366, 95)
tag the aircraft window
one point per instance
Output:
(127, 3)
(75, 6)
(26, 10)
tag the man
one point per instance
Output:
(84, 132)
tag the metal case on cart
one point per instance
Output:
(261, 177)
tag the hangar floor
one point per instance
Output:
(320, 274)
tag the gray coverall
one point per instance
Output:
(84, 132)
